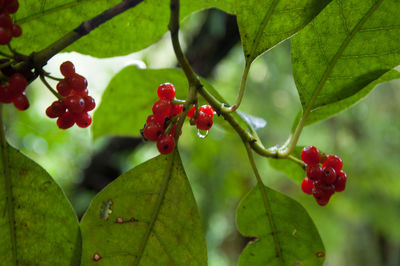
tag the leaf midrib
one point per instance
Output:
(160, 199)
(338, 55)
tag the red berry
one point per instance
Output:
(5, 20)
(307, 185)
(340, 181)
(204, 121)
(333, 161)
(314, 171)
(21, 102)
(321, 196)
(90, 103)
(18, 83)
(5, 35)
(75, 104)
(162, 108)
(13, 7)
(63, 88)
(328, 189)
(83, 119)
(153, 131)
(66, 120)
(310, 155)
(166, 91)
(56, 109)
(176, 109)
(16, 30)
(191, 112)
(7, 94)
(77, 82)
(155, 119)
(166, 144)
(207, 109)
(67, 69)
(85, 92)
(329, 176)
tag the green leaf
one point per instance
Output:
(346, 47)
(284, 233)
(329, 110)
(263, 24)
(43, 22)
(37, 224)
(147, 216)
(288, 167)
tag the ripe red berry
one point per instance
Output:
(66, 120)
(166, 144)
(18, 83)
(176, 109)
(333, 161)
(166, 91)
(90, 103)
(5, 35)
(16, 30)
(204, 121)
(321, 197)
(21, 102)
(162, 108)
(155, 119)
(63, 88)
(83, 119)
(13, 6)
(207, 109)
(7, 94)
(191, 112)
(67, 69)
(56, 109)
(307, 185)
(328, 189)
(75, 104)
(152, 131)
(310, 155)
(5, 20)
(340, 181)
(329, 176)
(314, 171)
(77, 82)
(85, 92)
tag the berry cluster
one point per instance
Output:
(322, 180)
(13, 92)
(8, 30)
(204, 119)
(76, 104)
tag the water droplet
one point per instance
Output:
(201, 135)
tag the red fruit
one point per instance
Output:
(7, 94)
(204, 121)
(67, 69)
(77, 82)
(155, 119)
(328, 189)
(85, 92)
(162, 108)
(5, 20)
(63, 88)
(5, 35)
(310, 155)
(153, 131)
(90, 103)
(166, 91)
(321, 197)
(13, 7)
(333, 161)
(176, 109)
(191, 112)
(307, 185)
(75, 103)
(329, 176)
(21, 102)
(56, 109)
(18, 83)
(66, 120)
(83, 120)
(16, 30)
(340, 181)
(314, 171)
(207, 109)
(166, 144)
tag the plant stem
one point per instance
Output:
(39, 59)
(51, 77)
(42, 78)
(8, 185)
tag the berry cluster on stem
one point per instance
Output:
(75, 103)
(324, 175)
(8, 29)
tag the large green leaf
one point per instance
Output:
(346, 47)
(43, 22)
(265, 23)
(288, 167)
(37, 223)
(284, 233)
(148, 216)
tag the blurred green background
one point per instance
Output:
(360, 226)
